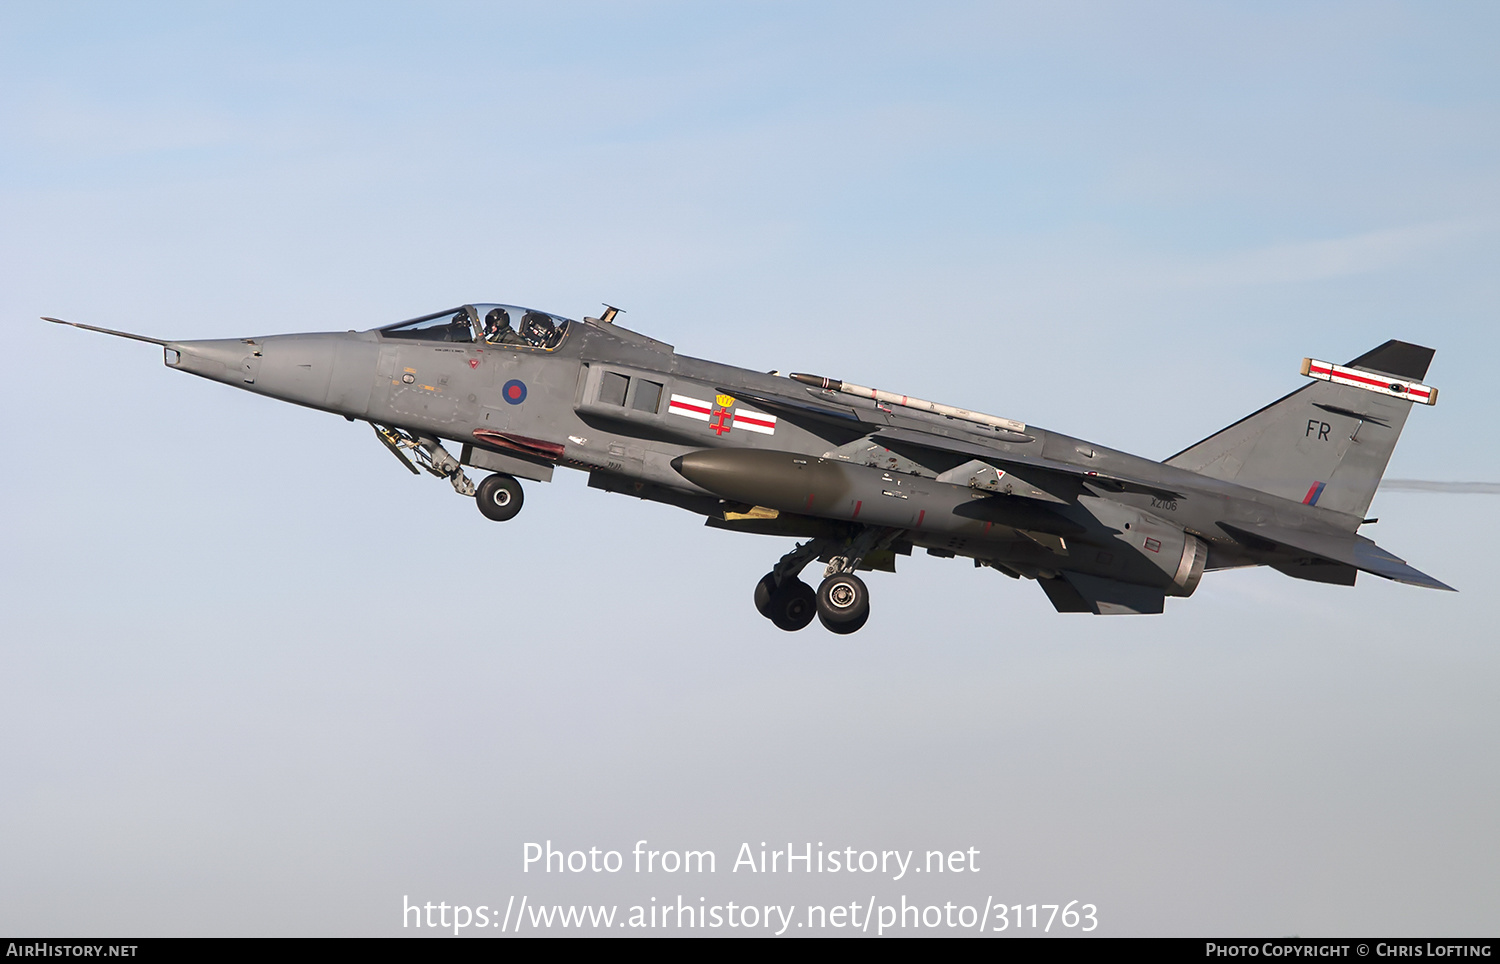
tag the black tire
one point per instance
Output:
(763, 591)
(844, 629)
(792, 606)
(499, 498)
(843, 603)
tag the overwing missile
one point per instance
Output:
(906, 401)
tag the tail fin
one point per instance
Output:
(1326, 444)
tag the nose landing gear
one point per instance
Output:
(424, 453)
(499, 497)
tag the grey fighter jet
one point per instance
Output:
(860, 475)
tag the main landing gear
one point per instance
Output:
(790, 606)
(841, 602)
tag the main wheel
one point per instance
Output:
(763, 592)
(843, 603)
(499, 497)
(792, 606)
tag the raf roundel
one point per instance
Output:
(514, 391)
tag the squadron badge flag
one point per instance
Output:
(691, 407)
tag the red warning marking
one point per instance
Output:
(1338, 373)
(920, 516)
(809, 500)
(856, 509)
(1377, 382)
(473, 363)
(520, 443)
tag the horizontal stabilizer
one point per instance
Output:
(1074, 592)
(1317, 569)
(1351, 550)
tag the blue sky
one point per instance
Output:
(1127, 223)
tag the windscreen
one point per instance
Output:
(455, 324)
(486, 323)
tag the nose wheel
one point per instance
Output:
(499, 497)
(843, 603)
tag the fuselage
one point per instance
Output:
(639, 417)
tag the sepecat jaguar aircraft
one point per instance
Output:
(860, 475)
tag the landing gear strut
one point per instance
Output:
(841, 603)
(424, 453)
(499, 497)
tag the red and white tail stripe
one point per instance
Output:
(1369, 381)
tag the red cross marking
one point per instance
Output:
(721, 421)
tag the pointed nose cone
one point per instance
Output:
(333, 371)
(229, 360)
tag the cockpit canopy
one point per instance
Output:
(486, 324)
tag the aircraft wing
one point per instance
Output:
(840, 414)
(1060, 478)
(1351, 550)
(1029, 467)
(813, 406)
